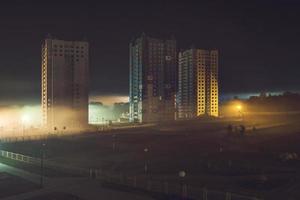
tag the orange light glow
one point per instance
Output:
(13, 119)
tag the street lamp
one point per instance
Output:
(181, 175)
(64, 129)
(146, 164)
(55, 129)
(103, 124)
(42, 164)
(25, 120)
(239, 109)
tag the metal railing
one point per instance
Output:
(47, 163)
(26, 138)
(140, 182)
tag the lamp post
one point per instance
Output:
(63, 130)
(25, 120)
(103, 124)
(146, 164)
(181, 175)
(23, 131)
(239, 109)
(42, 164)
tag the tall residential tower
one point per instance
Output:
(65, 77)
(153, 79)
(198, 83)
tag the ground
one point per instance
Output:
(250, 164)
(56, 196)
(12, 185)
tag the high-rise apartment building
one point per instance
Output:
(198, 83)
(65, 77)
(153, 79)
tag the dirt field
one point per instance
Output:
(257, 162)
(12, 185)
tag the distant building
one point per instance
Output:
(101, 114)
(65, 77)
(96, 113)
(120, 110)
(198, 85)
(153, 79)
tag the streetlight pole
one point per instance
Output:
(24, 120)
(64, 130)
(240, 112)
(42, 164)
(182, 174)
(23, 131)
(103, 124)
(146, 164)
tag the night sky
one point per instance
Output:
(258, 41)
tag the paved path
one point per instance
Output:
(82, 187)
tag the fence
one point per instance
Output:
(141, 182)
(19, 157)
(48, 164)
(165, 187)
(27, 138)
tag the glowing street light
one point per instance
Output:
(25, 121)
(239, 108)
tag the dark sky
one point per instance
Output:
(258, 40)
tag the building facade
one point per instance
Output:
(153, 79)
(65, 77)
(198, 85)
